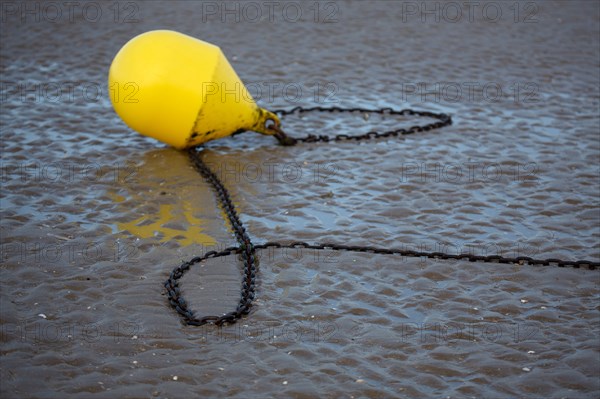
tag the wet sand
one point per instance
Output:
(94, 217)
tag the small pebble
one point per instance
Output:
(526, 369)
(134, 337)
(360, 381)
(134, 362)
(284, 382)
(524, 301)
(531, 352)
(221, 368)
(175, 378)
(43, 316)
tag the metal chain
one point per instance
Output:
(248, 251)
(443, 120)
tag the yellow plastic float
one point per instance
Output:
(182, 91)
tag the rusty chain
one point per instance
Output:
(247, 251)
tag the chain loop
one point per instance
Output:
(247, 250)
(442, 120)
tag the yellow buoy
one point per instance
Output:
(182, 91)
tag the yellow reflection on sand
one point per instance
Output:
(154, 226)
(160, 172)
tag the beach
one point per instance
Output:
(94, 216)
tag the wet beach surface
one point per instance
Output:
(94, 216)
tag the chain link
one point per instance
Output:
(247, 251)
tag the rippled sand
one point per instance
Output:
(94, 217)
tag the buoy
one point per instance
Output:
(182, 91)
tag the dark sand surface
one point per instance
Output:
(94, 216)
